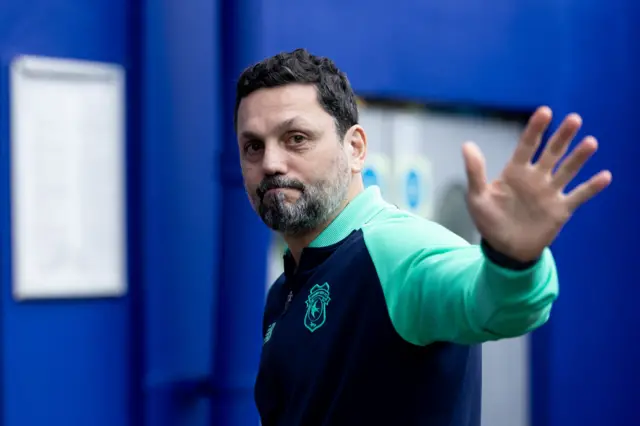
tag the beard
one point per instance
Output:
(316, 205)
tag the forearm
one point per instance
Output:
(440, 288)
(513, 298)
(461, 295)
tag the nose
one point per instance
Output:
(274, 160)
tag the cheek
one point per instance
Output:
(321, 162)
(341, 162)
(251, 180)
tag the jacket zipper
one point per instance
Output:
(288, 302)
(292, 284)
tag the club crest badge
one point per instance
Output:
(317, 307)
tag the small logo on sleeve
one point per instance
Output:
(269, 332)
(317, 307)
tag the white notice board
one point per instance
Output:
(67, 178)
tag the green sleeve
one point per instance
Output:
(440, 288)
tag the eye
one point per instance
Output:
(252, 147)
(297, 138)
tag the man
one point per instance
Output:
(379, 314)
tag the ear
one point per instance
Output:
(355, 144)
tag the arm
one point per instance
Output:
(440, 288)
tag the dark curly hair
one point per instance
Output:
(335, 94)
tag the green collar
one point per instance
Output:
(358, 212)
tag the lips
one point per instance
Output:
(271, 191)
(275, 183)
(275, 190)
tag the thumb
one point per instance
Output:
(475, 167)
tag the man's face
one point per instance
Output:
(296, 171)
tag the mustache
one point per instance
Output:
(275, 182)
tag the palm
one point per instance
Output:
(522, 211)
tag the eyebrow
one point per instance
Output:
(287, 124)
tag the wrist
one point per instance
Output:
(504, 260)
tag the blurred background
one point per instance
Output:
(133, 270)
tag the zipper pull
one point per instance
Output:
(289, 299)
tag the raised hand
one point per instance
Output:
(524, 209)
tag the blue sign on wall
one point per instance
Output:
(370, 177)
(412, 189)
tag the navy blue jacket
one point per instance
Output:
(381, 322)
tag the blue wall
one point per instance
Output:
(198, 265)
(591, 349)
(463, 51)
(64, 362)
(126, 361)
(180, 192)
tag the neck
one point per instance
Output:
(296, 243)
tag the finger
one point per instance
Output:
(570, 167)
(532, 135)
(587, 190)
(475, 167)
(559, 142)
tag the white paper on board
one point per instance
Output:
(67, 178)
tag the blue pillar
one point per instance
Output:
(244, 239)
(180, 200)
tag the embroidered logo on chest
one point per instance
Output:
(317, 307)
